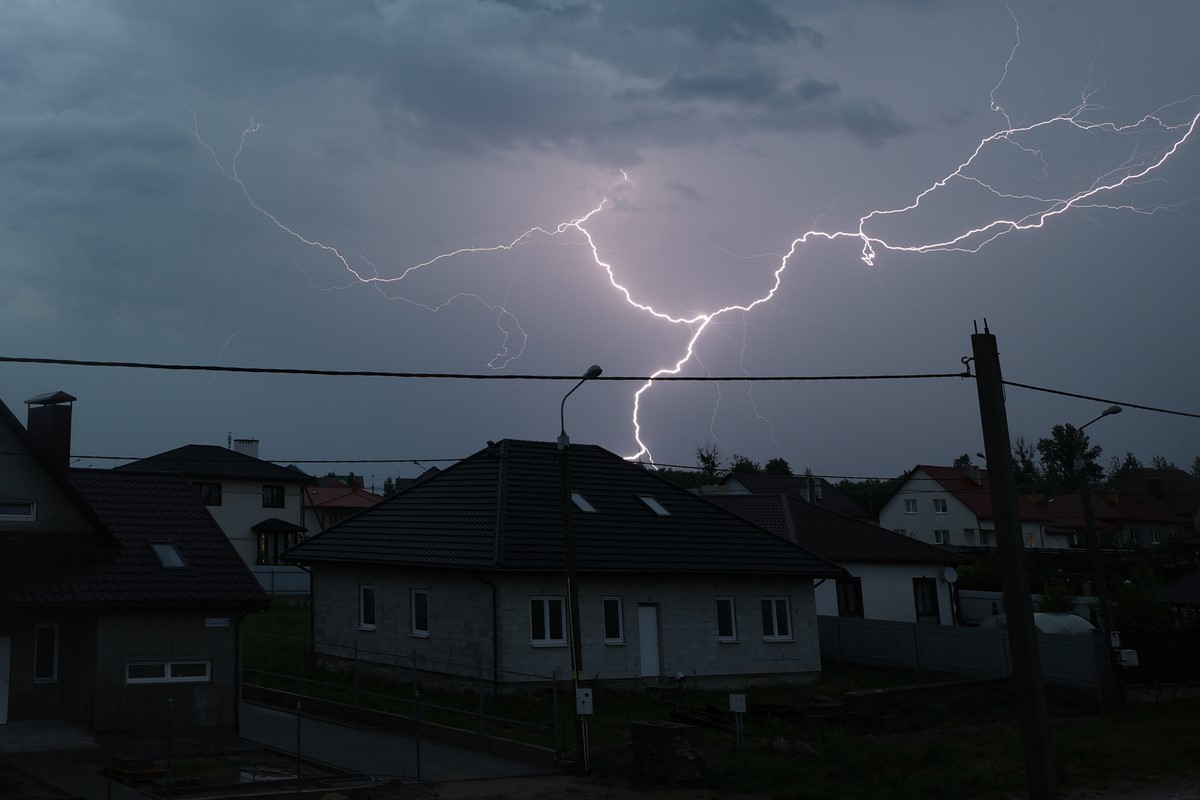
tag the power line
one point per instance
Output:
(493, 376)
(1102, 400)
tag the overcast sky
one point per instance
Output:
(252, 184)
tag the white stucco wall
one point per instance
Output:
(888, 591)
(242, 508)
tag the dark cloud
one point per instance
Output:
(684, 190)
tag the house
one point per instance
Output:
(1168, 487)
(810, 488)
(258, 504)
(329, 501)
(953, 506)
(1122, 520)
(890, 576)
(120, 597)
(465, 571)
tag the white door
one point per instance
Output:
(648, 640)
(5, 658)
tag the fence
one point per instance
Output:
(981, 652)
(409, 685)
(282, 580)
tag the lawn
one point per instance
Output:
(954, 742)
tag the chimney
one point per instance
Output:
(973, 473)
(247, 447)
(49, 426)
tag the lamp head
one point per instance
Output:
(595, 370)
(1108, 411)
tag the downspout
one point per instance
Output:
(237, 659)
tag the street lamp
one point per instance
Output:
(1093, 543)
(582, 765)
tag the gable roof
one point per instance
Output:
(211, 461)
(835, 536)
(502, 509)
(1111, 511)
(962, 484)
(46, 569)
(319, 496)
(831, 497)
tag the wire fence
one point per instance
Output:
(452, 693)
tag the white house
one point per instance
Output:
(466, 570)
(953, 506)
(889, 576)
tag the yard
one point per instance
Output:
(953, 741)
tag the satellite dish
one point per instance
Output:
(951, 574)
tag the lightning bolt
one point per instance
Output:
(1173, 125)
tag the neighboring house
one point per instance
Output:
(890, 576)
(1170, 488)
(811, 488)
(258, 504)
(953, 506)
(328, 502)
(466, 570)
(118, 592)
(1122, 520)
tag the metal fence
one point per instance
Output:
(282, 580)
(981, 652)
(456, 694)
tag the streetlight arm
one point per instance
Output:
(593, 371)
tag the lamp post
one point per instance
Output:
(1097, 554)
(582, 765)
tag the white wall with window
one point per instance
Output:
(887, 591)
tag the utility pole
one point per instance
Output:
(1022, 637)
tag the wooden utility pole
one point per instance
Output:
(1022, 636)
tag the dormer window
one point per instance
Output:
(168, 555)
(654, 505)
(18, 511)
(582, 503)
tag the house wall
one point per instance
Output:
(125, 637)
(887, 591)
(23, 481)
(69, 696)
(461, 623)
(242, 508)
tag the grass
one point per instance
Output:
(958, 742)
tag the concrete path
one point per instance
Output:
(372, 751)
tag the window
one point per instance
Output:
(726, 620)
(985, 538)
(168, 555)
(547, 621)
(902, 531)
(969, 537)
(939, 505)
(614, 621)
(271, 545)
(1029, 540)
(45, 654)
(581, 503)
(776, 619)
(168, 672)
(210, 493)
(366, 608)
(18, 510)
(849, 597)
(654, 505)
(1135, 536)
(272, 496)
(941, 536)
(926, 600)
(1154, 537)
(420, 612)
(910, 506)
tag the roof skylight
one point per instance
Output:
(654, 505)
(168, 555)
(582, 504)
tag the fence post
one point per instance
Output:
(300, 642)
(479, 691)
(170, 731)
(557, 728)
(297, 747)
(356, 674)
(417, 712)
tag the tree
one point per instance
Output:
(1058, 453)
(1196, 467)
(389, 487)
(1026, 473)
(1159, 462)
(742, 463)
(708, 457)
(1119, 468)
(777, 466)
(963, 462)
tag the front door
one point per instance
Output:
(5, 658)
(648, 640)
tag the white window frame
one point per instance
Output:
(363, 623)
(616, 603)
(771, 633)
(415, 630)
(731, 605)
(910, 505)
(168, 671)
(941, 536)
(543, 604)
(15, 515)
(940, 506)
(52, 677)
